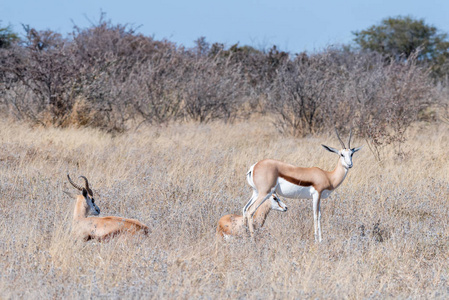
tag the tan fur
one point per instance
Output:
(272, 169)
(267, 172)
(233, 225)
(101, 228)
(230, 225)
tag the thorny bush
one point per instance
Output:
(110, 77)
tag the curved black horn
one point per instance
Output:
(341, 142)
(87, 185)
(349, 141)
(74, 184)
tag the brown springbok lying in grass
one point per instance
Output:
(87, 226)
(234, 225)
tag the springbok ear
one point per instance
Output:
(356, 149)
(330, 149)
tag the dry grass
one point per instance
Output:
(385, 230)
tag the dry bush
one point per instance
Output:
(39, 77)
(336, 88)
(211, 89)
(154, 88)
(440, 111)
(43, 78)
(385, 228)
(299, 92)
(122, 78)
(112, 57)
(390, 99)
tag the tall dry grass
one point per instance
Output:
(385, 229)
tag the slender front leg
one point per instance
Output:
(249, 221)
(319, 221)
(251, 210)
(247, 206)
(317, 216)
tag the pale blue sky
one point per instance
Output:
(292, 25)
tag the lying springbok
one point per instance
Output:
(234, 225)
(269, 175)
(86, 227)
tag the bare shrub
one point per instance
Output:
(258, 67)
(43, 72)
(442, 91)
(299, 92)
(86, 113)
(154, 88)
(389, 100)
(344, 89)
(211, 89)
(111, 77)
(112, 56)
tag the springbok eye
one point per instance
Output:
(93, 200)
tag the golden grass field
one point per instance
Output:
(385, 229)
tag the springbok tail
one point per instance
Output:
(249, 177)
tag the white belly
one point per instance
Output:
(293, 191)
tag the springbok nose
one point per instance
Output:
(286, 208)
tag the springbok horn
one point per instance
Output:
(349, 141)
(74, 184)
(87, 185)
(341, 142)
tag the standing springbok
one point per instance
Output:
(234, 225)
(298, 183)
(86, 227)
